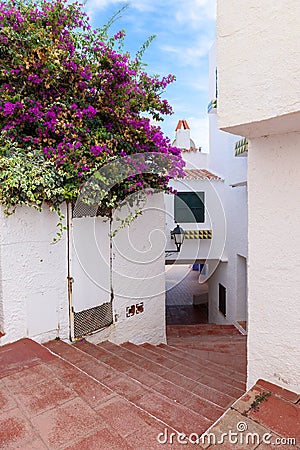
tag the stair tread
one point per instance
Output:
(207, 329)
(193, 380)
(182, 356)
(210, 408)
(123, 384)
(195, 372)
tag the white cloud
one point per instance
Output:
(100, 4)
(189, 55)
(198, 83)
(195, 13)
(140, 5)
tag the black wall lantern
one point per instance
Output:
(178, 235)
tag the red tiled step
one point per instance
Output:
(229, 336)
(206, 329)
(21, 354)
(212, 359)
(217, 347)
(290, 396)
(202, 405)
(276, 416)
(235, 362)
(222, 342)
(52, 404)
(209, 342)
(184, 357)
(233, 350)
(169, 412)
(197, 376)
(195, 373)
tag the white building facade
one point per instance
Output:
(258, 48)
(197, 207)
(228, 283)
(220, 180)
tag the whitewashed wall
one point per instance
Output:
(139, 276)
(195, 160)
(234, 201)
(203, 249)
(34, 294)
(274, 276)
(259, 87)
(34, 290)
(258, 46)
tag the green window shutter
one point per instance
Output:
(189, 207)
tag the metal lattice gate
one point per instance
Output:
(93, 319)
(89, 262)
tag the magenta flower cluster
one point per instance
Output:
(68, 94)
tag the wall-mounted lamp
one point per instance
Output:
(178, 235)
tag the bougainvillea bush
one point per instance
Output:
(72, 101)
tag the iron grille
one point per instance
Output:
(93, 319)
(81, 209)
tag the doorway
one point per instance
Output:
(186, 295)
(89, 272)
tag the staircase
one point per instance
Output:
(86, 396)
(183, 386)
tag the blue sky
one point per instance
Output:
(185, 31)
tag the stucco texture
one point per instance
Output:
(274, 261)
(258, 50)
(34, 276)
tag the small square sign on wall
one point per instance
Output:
(138, 308)
(130, 311)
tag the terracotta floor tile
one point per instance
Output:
(91, 391)
(234, 422)
(158, 437)
(98, 370)
(173, 414)
(123, 417)
(284, 393)
(70, 353)
(172, 391)
(22, 354)
(174, 355)
(184, 369)
(213, 395)
(277, 444)
(155, 357)
(105, 439)
(64, 370)
(16, 366)
(7, 401)
(186, 314)
(180, 380)
(15, 430)
(125, 386)
(28, 376)
(279, 416)
(243, 404)
(40, 397)
(143, 376)
(36, 444)
(219, 386)
(119, 363)
(66, 423)
(94, 350)
(205, 408)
